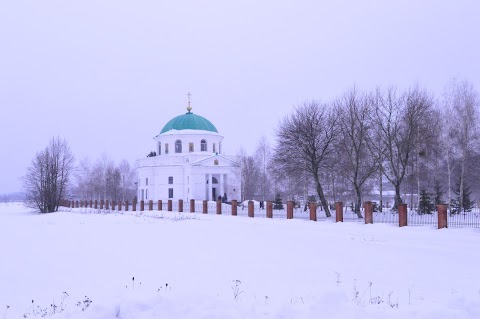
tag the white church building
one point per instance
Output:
(188, 163)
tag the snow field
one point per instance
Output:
(285, 268)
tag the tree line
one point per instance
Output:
(53, 176)
(407, 141)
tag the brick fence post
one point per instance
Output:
(219, 207)
(142, 205)
(269, 209)
(76, 204)
(339, 212)
(95, 204)
(442, 216)
(159, 205)
(205, 207)
(368, 212)
(134, 205)
(101, 204)
(106, 204)
(126, 205)
(169, 205)
(180, 205)
(192, 206)
(234, 207)
(313, 211)
(402, 215)
(119, 208)
(250, 208)
(289, 209)
(113, 205)
(150, 205)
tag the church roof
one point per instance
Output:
(189, 121)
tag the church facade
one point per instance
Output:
(188, 163)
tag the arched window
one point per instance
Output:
(203, 145)
(178, 146)
(159, 148)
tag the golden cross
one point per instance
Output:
(189, 108)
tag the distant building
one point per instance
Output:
(188, 163)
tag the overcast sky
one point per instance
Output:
(108, 75)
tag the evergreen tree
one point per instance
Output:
(425, 205)
(467, 202)
(438, 192)
(277, 203)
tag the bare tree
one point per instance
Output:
(48, 176)
(263, 157)
(305, 142)
(357, 160)
(461, 104)
(399, 119)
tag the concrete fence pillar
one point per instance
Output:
(269, 209)
(289, 209)
(142, 205)
(205, 207)
(442, 216)
(402, 215)
(250, 208)
(169, 205)
(126, 205)
(339, 212)
(234, 207)
(368, 212)
(219, 207)
(150, 205)
(180, 205)
(134, 206)
(192, 206)
(313, 211)
(159, 205)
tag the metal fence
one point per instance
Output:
(414, 218)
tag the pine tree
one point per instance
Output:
(438, 192)
(277, 203)
(467, 202)
(425, 205)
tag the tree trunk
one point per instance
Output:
(322, 198)
(398, 198)
(381, 188)
(358, 201)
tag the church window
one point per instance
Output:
(170, 193)
(203, 145)
(159, 148)
(190, 147)
(214, 148)
(146, 181)
(143, 194)
(170, 179)
(166, 148)
(219, 147)
(146, 194)
(178, 146)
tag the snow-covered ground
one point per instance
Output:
(183, 265)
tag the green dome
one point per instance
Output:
(189, 121)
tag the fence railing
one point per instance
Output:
(440, 218)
